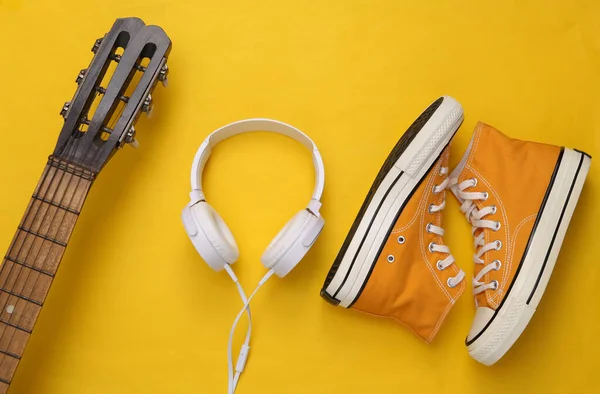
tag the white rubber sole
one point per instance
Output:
(357, 258)
(529, 285)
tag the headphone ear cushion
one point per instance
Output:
(286, 238)
(216, 231)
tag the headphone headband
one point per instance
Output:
(246, 126)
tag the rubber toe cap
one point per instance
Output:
(482, 316)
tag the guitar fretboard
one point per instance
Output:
(31, 262)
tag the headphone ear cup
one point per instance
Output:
(221, 247)
(289, 246)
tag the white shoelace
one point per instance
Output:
(476, 218)
(433, 247)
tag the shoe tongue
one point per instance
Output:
(444, 159)
(456, 173)
(486, 144)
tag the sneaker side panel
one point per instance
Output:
(405, 283)
(515, 174)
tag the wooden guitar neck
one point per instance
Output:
(34, 255)
(112, 93)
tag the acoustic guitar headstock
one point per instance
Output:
(112, 92)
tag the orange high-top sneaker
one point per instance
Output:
(519, 196)
(393, 262)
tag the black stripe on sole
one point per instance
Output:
(583, 153)
(392, 158)
(537, 281)
(537, 220)
(389, 232)
(367, 232)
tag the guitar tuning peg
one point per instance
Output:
(97, 45)
(148, 104)
(65, 109)
(130, 138)
(134, 143)
(80, 76)
(162, 76)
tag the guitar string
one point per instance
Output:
(92, 159)
(71, 149)
(83, 196)
(69, 157)
(16, 256)
(36, 213)
(58, 228)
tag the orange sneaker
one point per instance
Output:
(393, 262)
(519, 196)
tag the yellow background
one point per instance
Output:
(135, 310)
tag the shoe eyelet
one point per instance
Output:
(474, 180)
(494, 209)
(498, 244)
(401, 239)
(485, 196)
(433, 189)
(497, 265)
(390, 259)
(439, 265)
(494, 284)
(428, 228)
(430, 209)
(431, 245)
(497, 226)
(450, 284)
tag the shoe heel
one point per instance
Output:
(436, 134)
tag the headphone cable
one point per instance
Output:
(243, 355)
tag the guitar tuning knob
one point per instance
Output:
(148, 104)
(130, 138)
(80, 76)
(162, 76)
(65, 109)
(134, 143)
(97, 45)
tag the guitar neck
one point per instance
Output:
(33, 257)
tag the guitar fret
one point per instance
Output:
(21, 297)
(31, 267)
(63, 244)
(35, 252)
(24, 282)
(12, 340)
(10, 354)
(18, 311)
(16, 327)
(52, 203)
(49, 221)
(8, 365)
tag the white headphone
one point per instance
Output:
(214, 241)
(211, 236)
